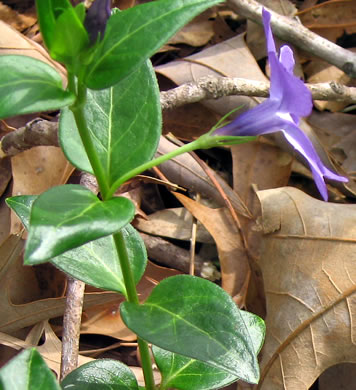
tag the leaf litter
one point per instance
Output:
(288, 257)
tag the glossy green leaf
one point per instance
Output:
(103, 374)
(196, 318)
(124, 122)
(134, 35)
(21, 205)
(97, 263)
(27, 371)
(29, 85)
(184, 373)
(69, 216)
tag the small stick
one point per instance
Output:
(71, 326)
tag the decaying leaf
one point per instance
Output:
(173, 223)
(308, 266)
(18, 316)
(235, 271)
(35, 171)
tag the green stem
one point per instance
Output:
(133, 297)
(78, 112)
(197, 144)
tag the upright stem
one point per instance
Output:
(79, 116)
(133, 297)
(78, 112)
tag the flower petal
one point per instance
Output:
(298, 139)
(289, 90)
(259, 120)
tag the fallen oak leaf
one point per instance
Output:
(308, 264)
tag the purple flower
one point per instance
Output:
(289, 100)
(96, 18)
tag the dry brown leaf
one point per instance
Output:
(35, 171)
(189, 122)
(339, 377)
(198, 32)
(235, 270)
(51, 350)
(173, 223)
(338, 132)
(331, 18)
(12, 42)
(18, 316)
(15, 19)
(184, 170)
(308, 266)
(257, 166)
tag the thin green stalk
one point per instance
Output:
(133, 297)
(150, 164)
(78, 112)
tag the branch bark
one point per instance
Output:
(290, 30)
(216, 87)
(71, 326)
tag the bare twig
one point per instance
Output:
(211, 87)
(71, 326)
(42, 132)
(35, 133)
(294, 32)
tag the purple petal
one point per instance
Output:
(297, 138)
(289, 90)
(259, 120)
(96, 19)
(286, 58)
(266, 17)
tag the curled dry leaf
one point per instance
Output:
(235, 271)
(308, 265)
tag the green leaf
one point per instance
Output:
(103, 374)
(64, 47)
(27, 371)
(134, 35)
(68, 216)
(184, 373)
(124, 122)
(97, 262)
(48, 11)
(196, 318)
(29, 85)
(21, 205)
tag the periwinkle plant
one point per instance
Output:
(110, 124)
